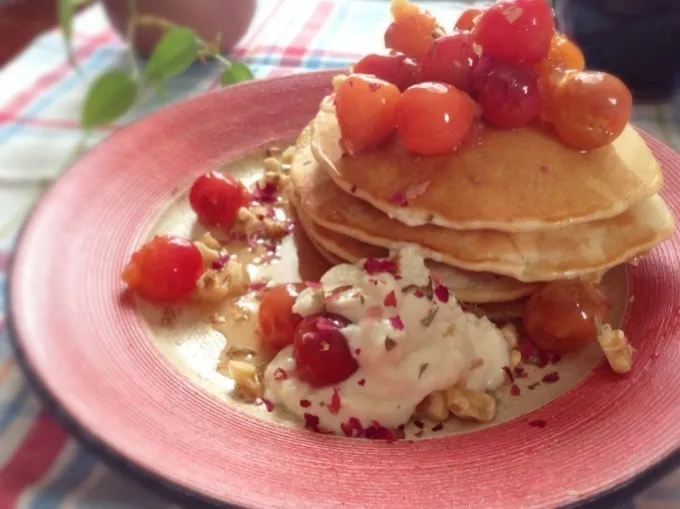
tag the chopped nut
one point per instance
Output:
(272, 151)
(434, 407)
(515, 358)
(272, 165)
(216, 285)
(248, 221)
(287, 156)
(616, 349)
(471, 405)
(208, 254)
(210, 241)
(338, 81)
(245, 377)
(509, 332)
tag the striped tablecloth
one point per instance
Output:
(40, 98)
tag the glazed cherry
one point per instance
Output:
(560, 316)
(164, 270)
(516, 30)
(366, 111)
(276, 317)
(450, 59)
(321, 353)
(562, 55)
(434, 118)
(411, 33)
(508, 97)
(216, 198)
(590, 109)
(391, 66)
(468, 19)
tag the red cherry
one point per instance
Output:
(450, 59)
(321, 351)
(216, 198)
(276, 317)
(164, 270)
(516, 30)
(391, 66)
(509, 97)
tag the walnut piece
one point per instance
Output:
(468, 405)
(246, 378)
(287, 156)
(434, 407)
(209, 248)
(515, 358)
(616, 349)
(510, 334)
(231, 280)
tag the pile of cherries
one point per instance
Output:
(506, 63)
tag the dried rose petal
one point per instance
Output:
(442, 293)
(396, 322)
(514, 390)
(419, 293)
(334, 405)
(419, 424)
(399, 198)
(378, 432)
(390, 344)
(352, 428)
(305, 403)
(416, 190)
(312, 284)
(257, 285)
(219, 263)
(520, 372)
(357, 351)
(375, 266)
(438, 427)
(509, 373)
(266, 194)
(555, 358)
(362, 381)
(268, 404)
(353, 189)
(533, 385)
(280, 374)
(390, 299)
(538, 423)
(312, 422)
(551, 377)
(419, 433)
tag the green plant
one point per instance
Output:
(115, 92)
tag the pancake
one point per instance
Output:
(580, 250)
(511, 180)
(471, 287)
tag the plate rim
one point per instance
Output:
(128, 467)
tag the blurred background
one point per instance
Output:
(40, 101)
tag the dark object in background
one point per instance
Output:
(636, 40)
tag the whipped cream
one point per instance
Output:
(408, 335)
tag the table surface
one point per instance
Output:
(40, 97)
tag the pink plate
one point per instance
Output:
(92, 358)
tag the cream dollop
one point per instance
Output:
(408, 335)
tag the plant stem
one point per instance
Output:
(133, 14)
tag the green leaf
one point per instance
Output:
(237, 72)
(110, 96)
(172, 55)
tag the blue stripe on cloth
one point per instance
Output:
(96, 62)
(11, 409)
(316, 58)
(74, 473)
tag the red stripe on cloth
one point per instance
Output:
(54, 123)
(33, 458)
(300, 44)
(327, 53)
(21, 100)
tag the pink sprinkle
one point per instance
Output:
(334, 405)
(551, 377)
(305, 403)
(538, 423)
(280, 374)
(442, 293)
(396, 322)
(375, 266)
(514, 390)
(362, 381)
(399, 198)
(390, 300)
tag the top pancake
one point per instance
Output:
(572, 251)
(512, 180)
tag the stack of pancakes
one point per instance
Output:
(495, 218)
